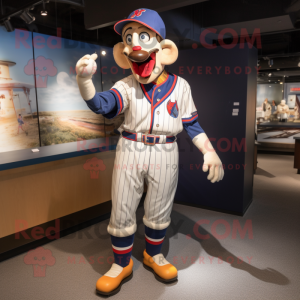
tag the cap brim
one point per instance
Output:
(119, 26)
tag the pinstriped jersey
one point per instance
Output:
(159, 109)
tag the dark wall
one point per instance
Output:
(250, 128)
(214, 95)
(104, 13)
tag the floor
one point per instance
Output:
(260, 263)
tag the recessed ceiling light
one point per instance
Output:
(281, 83)
(103, 52)
(278, 69)
(270, 86)
(270, 74)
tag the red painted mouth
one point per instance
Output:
(145, 68)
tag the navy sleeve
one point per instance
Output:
(193, 129)
(104, 103)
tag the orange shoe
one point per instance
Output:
(110, 283)
(160, 267)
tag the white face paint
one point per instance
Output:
(137, 37)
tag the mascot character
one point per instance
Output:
(157, 106)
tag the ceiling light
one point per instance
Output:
(103, 52)
(8, 26)
(27, 17)
(270, 86)
(280, 82)
(298, 64)
(44, 12)
(278, 69)
(270, 74)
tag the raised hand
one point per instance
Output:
(86, 66)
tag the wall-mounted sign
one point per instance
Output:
(295, 89)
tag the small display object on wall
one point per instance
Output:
(157, 106)
(291, 102)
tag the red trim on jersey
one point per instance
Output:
(154, 243)
(156, 85)
(146, 94)
(122, 251)
(126, 137)
(120, 100)
(189, 119)
(161, 100)
(167, 94)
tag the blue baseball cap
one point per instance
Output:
(147, 17)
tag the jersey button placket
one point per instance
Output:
(156, 115)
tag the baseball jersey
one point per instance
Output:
(159, 109)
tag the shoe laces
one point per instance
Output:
(160, 260)
(114, 271)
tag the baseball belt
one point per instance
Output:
(148, 139)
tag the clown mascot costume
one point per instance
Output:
(157, 106)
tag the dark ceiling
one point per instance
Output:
(277, 20)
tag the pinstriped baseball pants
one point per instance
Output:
(135, 163)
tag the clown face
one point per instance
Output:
(144, 51)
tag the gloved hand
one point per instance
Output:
(212, 161)
(85, 69)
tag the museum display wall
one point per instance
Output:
(68, 179)
(71, 173)
(40, 104)
(277, 115)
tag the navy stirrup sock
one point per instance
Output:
(122, 248)
(154, 240)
